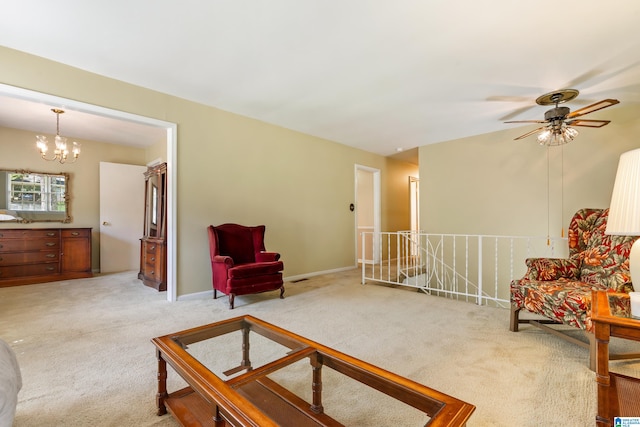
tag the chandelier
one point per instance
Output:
(557, 134)
(61, 151)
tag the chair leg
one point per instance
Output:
(215, 293)
(514, 321)
(282, 292)
(232, 297)
(593, 350)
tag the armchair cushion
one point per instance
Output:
(255, 269)
(566, 301)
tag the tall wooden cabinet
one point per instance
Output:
(37, 255)
(153, 245)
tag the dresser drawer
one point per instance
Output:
(29, 270)
(29, 234)
(13, 245)
(151, 248)
(76, 232)
(18, 258)
(149, 270)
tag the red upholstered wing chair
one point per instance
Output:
(240, 264)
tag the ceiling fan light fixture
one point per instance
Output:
(560, 120)
(557, 135)
(544, 136)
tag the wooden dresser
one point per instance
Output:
(153, 245)
(37, 255)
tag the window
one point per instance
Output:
(36, 192)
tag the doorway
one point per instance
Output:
(172, 150)
(367, 214)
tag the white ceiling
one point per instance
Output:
(373, 74)
(37, 116)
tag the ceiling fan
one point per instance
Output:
(559, 121)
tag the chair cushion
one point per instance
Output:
(565, 301)
(255, 269)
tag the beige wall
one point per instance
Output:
(235, 169)
(17, 151)
(397, 195)
(491, 184)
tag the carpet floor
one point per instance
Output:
(87, 360)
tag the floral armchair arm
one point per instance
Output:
(547, 269)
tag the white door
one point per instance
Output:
(367, 183)
(121, 216)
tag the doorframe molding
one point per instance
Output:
(376, 210)
(172, 152)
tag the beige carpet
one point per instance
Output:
(87, 360)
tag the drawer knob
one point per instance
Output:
(153, 248)
(48, 256)
(50, 269)
(75, 233)
(51, 233)
(153, 258)
(49, 244)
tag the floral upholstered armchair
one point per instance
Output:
(560, 288)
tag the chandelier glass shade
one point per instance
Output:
(62, 150)
(556, 134)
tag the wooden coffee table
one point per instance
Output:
(261, 394)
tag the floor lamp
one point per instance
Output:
(624, 212)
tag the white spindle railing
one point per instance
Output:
(448, 265)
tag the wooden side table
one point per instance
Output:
(618, 395)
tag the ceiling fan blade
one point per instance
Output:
(593, 107)
(588, 123)
(529, 133)
(527, 121)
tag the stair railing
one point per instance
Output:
(474, 268)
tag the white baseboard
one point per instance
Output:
(317, 273)
(197, 295)
(209, 294)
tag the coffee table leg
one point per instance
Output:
(162, 384)
(316, 385)
(246, 361)
(217, 419)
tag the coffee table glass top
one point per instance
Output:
(619, 305)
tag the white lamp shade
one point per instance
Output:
(624, 211)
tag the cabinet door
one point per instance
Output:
(76, 251)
